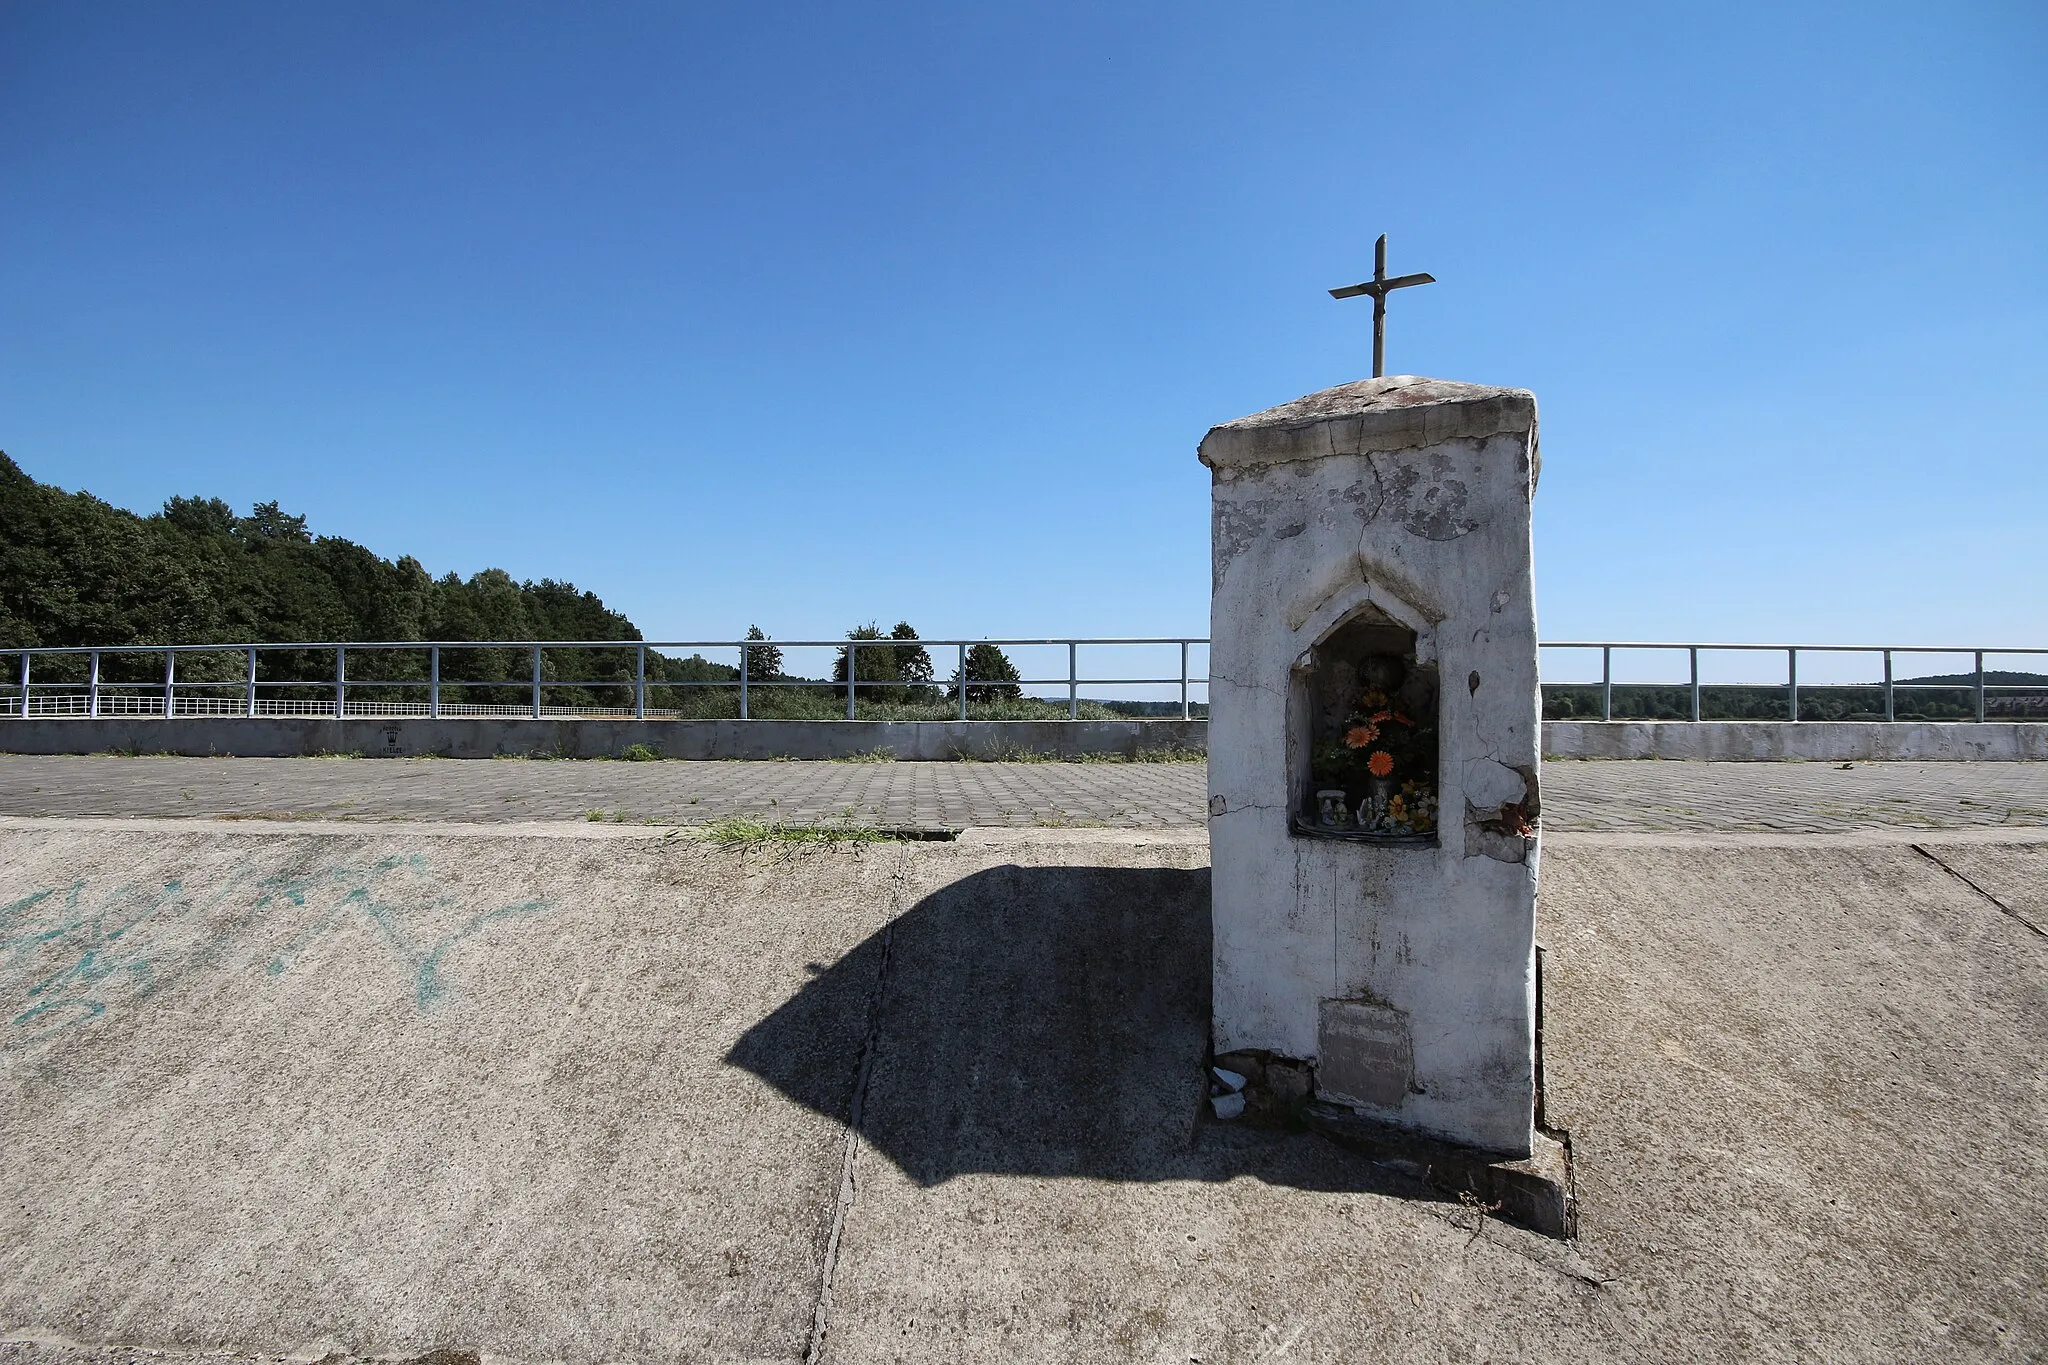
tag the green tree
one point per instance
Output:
(913, 662)
(764, 662)
(876, 664)
(266, 521)
(990, 676)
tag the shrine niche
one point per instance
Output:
(1371, 741)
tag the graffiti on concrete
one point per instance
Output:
(71, 953)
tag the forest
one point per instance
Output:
(76, 571)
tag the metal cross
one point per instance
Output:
(1379, 286)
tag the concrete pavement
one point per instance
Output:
(579, 1092)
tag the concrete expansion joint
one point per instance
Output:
(849, 1166)
(2004, 909)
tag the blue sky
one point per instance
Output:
(806, 316)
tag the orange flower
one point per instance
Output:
(1380, 764)
(1358, 736)
(1379, 716)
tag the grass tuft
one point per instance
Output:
(739, 831)
(1004, 754)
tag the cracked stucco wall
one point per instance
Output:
(1316, 518)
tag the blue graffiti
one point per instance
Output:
(69, 954)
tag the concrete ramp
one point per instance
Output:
(380, 1091)
(589, 1094)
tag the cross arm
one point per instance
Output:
(1379, 288)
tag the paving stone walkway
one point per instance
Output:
(1642, 796)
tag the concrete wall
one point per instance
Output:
(1746, 741)
(290, 737)
(281, 737)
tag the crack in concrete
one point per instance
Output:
(849, 1185)
(2003, 908)
(1225, 678)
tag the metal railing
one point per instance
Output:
(1889, 687)
(97, 696)
(28, 693)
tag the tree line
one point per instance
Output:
(76, 571)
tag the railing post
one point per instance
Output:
(249, 686)
(1607, 682)
(434, 682)
(640, 684)
(340, 681)
(1980, 685)
(852, 672)
(92, 688)
(963, 682)
(1184, 712)
(170, 682)
(25, 657)
(1792, 680)
(1073, 681)
(1889, 713)
(744, 670)
(1695, 652)
(536, 682)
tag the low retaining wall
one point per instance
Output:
(1763, 741)
(294, 736)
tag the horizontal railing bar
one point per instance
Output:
(600, 644)
(185, 684)
(1816, 649)
(526, 684)
(1686, 684)
(16, 651)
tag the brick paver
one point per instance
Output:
(1634, 796)
(1798, 797)
(889, 795)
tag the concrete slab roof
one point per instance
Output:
(1396, 412)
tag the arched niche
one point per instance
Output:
(1365, 703)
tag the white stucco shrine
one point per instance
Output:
(1373, 751)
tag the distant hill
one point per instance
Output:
(1993, 677)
